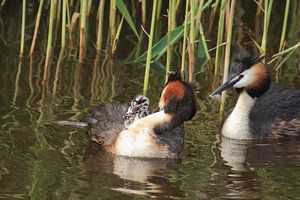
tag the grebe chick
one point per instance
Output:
(262, 110)
(139, 108)
(157, 135)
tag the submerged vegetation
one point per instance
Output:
(184, 42)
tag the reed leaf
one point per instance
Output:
(161, 46)
(125, 13)
(118, 34)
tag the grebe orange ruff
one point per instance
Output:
(262, 110)
(158, 135)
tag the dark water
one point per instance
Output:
(42, 160)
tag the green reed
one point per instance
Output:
(100, 25)
(267, 16)
(184, 32)
(284, 25)
(220, 37)
(23, 29)
(63, 24)
(37, 25)
(227, 52)
(83, 22)
(147, 70)
(192, 42)
(112, 22)
(171, 26)
(182, 69)
(144, 12)
(49, 41)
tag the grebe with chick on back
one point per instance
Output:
(157, 135)
(263, 110)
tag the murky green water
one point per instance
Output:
(42, 160)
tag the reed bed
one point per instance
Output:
(186, 32)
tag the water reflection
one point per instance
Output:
(139, 176)
(249, 162)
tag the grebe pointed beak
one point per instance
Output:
(226, 86)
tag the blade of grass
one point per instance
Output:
(125, 13)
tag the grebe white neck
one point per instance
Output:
(236, 125)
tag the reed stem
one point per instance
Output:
(82, 30)
(192, 42)
(144, 12)
(213, 14)
(184, 38)
(147, 70)
(227, 53)
(100, 25)
(268, 10)
(49, 42)
(112, 22)
(23, 29)
(220, 36)
(63, 24)
(158, 10)
(37, 25)
(283, 33)
(171, 26)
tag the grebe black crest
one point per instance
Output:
(263, 110)
(159, 134)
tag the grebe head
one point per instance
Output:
(178, 98)
(139, 108)
(248, 73)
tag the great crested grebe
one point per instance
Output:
(262, 110)
(160, 134)
(139, 108)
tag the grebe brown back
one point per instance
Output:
(262, 110)
(160, 134)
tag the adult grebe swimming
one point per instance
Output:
(160, 134)
(262, 110)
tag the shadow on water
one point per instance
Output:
(42, 160)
